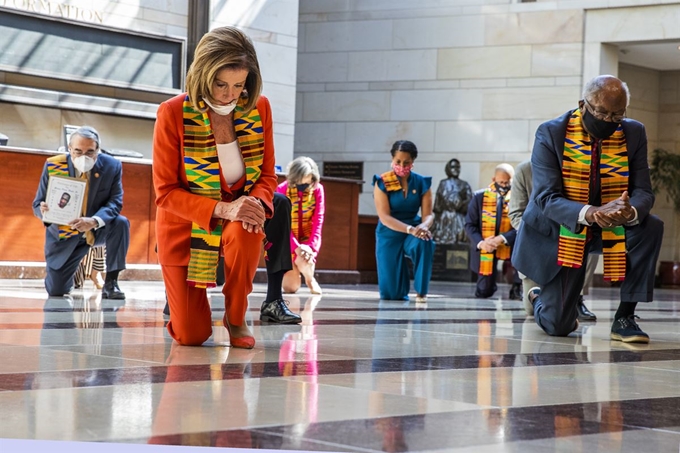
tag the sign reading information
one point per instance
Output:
(55, 9)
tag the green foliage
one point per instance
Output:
(665, 174)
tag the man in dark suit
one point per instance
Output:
(100, 222)
(519, 199)
(591, 193)
(491, 235)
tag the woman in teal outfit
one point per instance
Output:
(399, 194)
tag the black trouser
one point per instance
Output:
(555, 309)
(277, 230)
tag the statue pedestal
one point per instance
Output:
(452, 263)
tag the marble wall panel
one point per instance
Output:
(438, 32)
(481, 136)
(322, 67)
(346, 106)
(534, 27)
(348, 36)
(484, 62)
(420, 105)
(393, 65)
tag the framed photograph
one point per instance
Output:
(64, 198)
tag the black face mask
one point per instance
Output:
(302, 187)
(501, 190)
(599, 129)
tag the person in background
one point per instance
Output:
(306, 194)
(100, 223)
(591, 194)
(491, 235)
(399, 195)
(519, 199)
(213, 174)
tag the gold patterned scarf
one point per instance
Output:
(576, 162)
(489, 220)
(301, 213)
(391, 181)
(202, 167)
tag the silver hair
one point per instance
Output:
(505, 168)
(599, 83)
(88, 132)
(299, 168)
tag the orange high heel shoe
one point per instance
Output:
(247, 342)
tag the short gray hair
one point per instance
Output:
(299, 168)
(600, 83)
(505, 168)
(88, 132)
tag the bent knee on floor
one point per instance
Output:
(190, 336)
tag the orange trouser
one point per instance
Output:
(190, 317)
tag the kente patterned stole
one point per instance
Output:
(576, 162)
(489, 218)
(301, 225)
(391, 181)
(202, 168)
(58, 166)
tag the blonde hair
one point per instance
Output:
(299, 168)
(223, 48)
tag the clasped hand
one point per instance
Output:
(247, 210)
(615, 213)
(490, 244)
(421, 232)
(305, 252)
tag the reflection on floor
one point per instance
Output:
(456, 374)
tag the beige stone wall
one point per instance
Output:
(458, 79)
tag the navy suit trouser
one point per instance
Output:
(115, 235)
(555, 308)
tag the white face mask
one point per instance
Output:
(223, 110)
(83, 163)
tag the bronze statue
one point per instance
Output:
(450, 206)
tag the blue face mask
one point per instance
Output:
(302, 187)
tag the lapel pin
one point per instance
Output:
(414, 190)
(96, 175)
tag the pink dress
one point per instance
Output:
(314, 239)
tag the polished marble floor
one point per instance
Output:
(457, 374)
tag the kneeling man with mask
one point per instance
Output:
(100, 222)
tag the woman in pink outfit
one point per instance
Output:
(306, 195)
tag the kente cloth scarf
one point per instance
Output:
(576, 162)
(202, 167)
(58, 166)
(489, 219)
(391, 181)
(301, 225)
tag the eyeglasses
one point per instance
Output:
(615, 117)
(91, 153)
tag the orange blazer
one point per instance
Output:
(176, 206)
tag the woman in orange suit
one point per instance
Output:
(213, 173)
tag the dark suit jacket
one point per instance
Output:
(535, 253)
(104, 200)
(473, 228)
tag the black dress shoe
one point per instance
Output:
(277, 311)
(583, 313)
(515, 292)
(112, 291)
